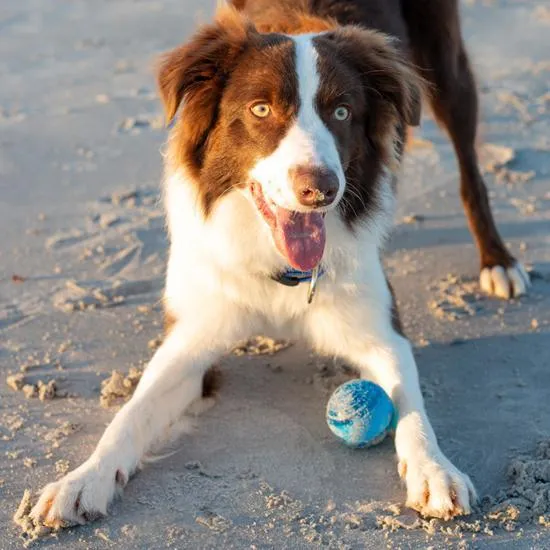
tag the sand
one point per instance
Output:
(118, 387)
(82, 260)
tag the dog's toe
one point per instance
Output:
(435, 488)
(505, 282)
(81, 496)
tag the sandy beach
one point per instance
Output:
(82, 259)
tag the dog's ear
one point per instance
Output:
(395, 78)
(387, 74)
(415, 111)
(195, 72)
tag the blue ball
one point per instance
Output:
(360, 413)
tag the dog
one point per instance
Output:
(289, 126)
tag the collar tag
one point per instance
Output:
(313, 284)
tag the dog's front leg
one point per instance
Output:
(435, 487)
(170, 383)
(359, 328)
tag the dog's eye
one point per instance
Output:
(261, 110)
(341, 113)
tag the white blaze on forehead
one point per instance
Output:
(309, 123)
(308, 140)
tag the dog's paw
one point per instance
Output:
(435, 488)
(81, 496)
(505, 282)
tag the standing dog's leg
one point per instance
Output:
(439, 51)
(170, 383)
(361, 327)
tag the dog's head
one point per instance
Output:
(301, 123)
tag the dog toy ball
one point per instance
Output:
(360, 413)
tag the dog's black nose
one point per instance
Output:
(314, 186)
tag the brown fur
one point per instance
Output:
(355, 58)
(224, 65)
(295, 23)
(429, 33)
(285, 16)
(439, 52)
(229, 62)
(196, 68)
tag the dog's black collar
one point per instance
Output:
(293, 277)
(285, 279)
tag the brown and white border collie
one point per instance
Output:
(284, 157)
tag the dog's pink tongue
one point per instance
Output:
(300, 237)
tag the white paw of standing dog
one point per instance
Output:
(435, 487)
(80, 496)
(505, 282)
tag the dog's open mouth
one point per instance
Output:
(299, 236)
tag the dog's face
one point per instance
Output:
(302, 124)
